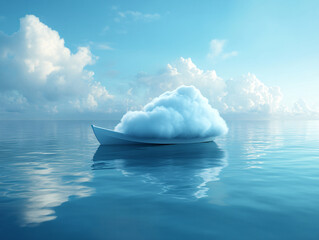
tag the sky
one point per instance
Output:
(98, 59)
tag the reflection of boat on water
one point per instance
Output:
(182, 171)
(109, 137)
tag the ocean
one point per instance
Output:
(260, 181)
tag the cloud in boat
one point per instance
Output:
(182, 113)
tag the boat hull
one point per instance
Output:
(109, 137)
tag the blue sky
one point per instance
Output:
(277, 41)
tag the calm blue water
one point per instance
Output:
(261, 181)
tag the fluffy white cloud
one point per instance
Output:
(182, 113)
(182, 72)
(242, 95)
(38, 71)
(302, 109)
(249, 94)
(245, 94)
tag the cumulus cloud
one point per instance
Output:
(302, 109)
(249, 94)
(181, 72)
(37, 70)
(245, 94)
(182, 113)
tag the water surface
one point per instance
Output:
(261, 181)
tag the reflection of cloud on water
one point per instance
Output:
(208, 175)
(43, 184)
(181, 171)
(260, 138)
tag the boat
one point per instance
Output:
(110, 137)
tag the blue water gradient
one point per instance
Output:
(261, 181)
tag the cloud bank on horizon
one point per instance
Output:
(182, 113)
(39, 74)
(243, 95)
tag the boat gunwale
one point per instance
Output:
(124, 137)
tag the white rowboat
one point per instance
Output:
(110, 137)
